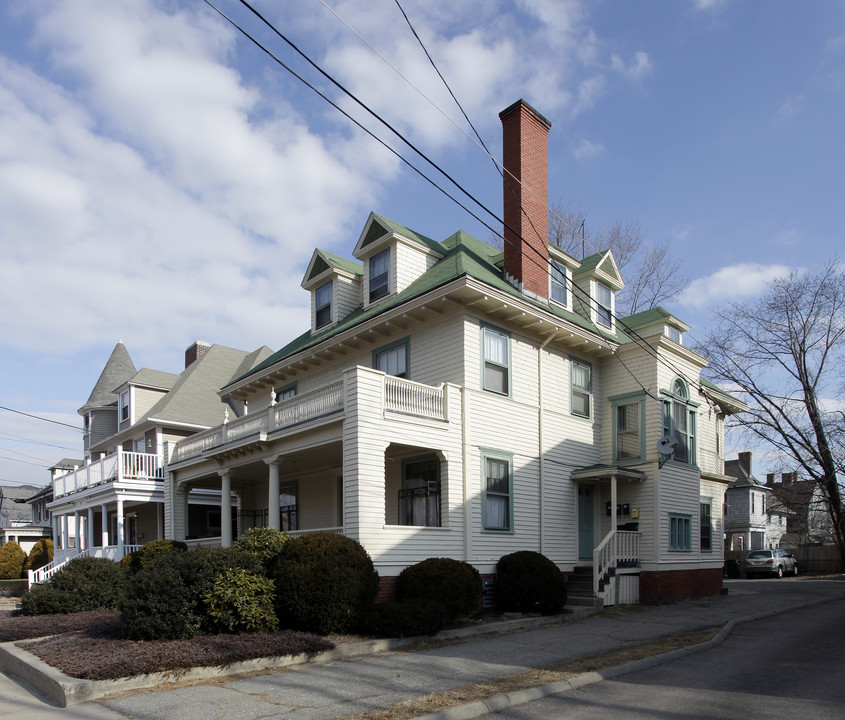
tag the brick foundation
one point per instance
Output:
(386, 589)
(658, 588)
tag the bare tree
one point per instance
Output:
(784, 354)
(651, 274)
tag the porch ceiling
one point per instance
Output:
(606, 472)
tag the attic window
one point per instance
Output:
(323, 305)
(604, 305)
(675, 334)
(380, 275)
(557, 273)
(124, 406)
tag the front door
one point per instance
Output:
(585, 522)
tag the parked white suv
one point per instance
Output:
(770, 562)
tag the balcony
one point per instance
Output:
(120, 466)
(398, 396)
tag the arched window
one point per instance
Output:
(679, 422)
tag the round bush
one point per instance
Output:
(453, 583)
(148, 552)
(242, 601)
(40, 555)
(405, 619)
(527, 581)
(324, 583)
(85, 583)
(264, 543)
(12, 561)
(166, 599)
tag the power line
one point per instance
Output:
(39, 417)
(25, 462)
(20, 438)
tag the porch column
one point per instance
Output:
(176, 527)
(89, 526)
(104, 525)
(274, 519)
(225, 508)
(76, 533)
(120, 539)
(55, 525)
(613, 499)
(63, 521)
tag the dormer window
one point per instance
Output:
(323, 305)
(604, 305)
(557, 275)
(675, 334)
(379, 275)
(124, 406)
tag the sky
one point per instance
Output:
(163, 180)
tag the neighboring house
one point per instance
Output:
(114, 500)
(755, 519)
(454, 400)
(809, 520)
(16, 520)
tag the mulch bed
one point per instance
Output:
(88, 645)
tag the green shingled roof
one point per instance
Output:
(388, 225)
(464, 255)
(343, 264)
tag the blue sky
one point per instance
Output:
(162, 181)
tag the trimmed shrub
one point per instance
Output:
(405, 619)
(85, 583)
(242, 601)
(40, 555)
(453, 583)
(12, 561)
(265, 543)
(527, 581)
(165, 600)
(148, 552)
(325, 582)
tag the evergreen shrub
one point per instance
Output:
(453, 583)
(12, 561)
(165, 600)
(405, 619)
(265, 543)
(85, 583)
(528, 581)
(325, 582)
(241, 601)
(148, 552)
(40, 555)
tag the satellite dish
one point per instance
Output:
(666, 447)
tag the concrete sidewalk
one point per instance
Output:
(344, 687)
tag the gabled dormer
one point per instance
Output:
(393, 257)
(562, 267)
(657, 321)
(140, 393)
(335, 286)
(597, 281)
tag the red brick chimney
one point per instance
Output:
(745, 461)
(196, 351)
(770, 479)
(525, 156)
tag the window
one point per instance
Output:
(763, 504)
(604, 305)
(124, 406)
(675, 334)
(680, 532)
(706, 527)
(380, 275)
(679, 423)
(286, 392)
(752, 503)
(393, 359)
(497, 509)
(557, 274)
(496, 361)
(581, 373)
(323, 305)
(628, 431)
(419, 498)
(288, 504)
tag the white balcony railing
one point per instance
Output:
(121, 465)
(110, 552)
(413, 398)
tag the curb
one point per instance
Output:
(64, 690)
(520, 697)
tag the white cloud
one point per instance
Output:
(792, 106)
(636, 70)
(735, 282)
(706, 5)
(587, 149)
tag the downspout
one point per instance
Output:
(540, 451)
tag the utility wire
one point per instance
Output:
(20, 438)
(38, 417)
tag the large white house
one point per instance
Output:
(453, 400)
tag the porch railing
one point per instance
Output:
(412, 398)
(118, 466)
(46, 572)
(309, 406)
(619, 548)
